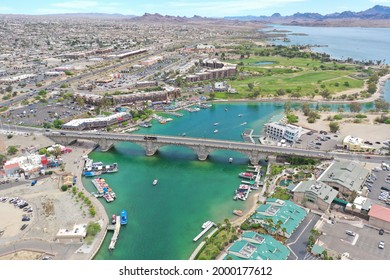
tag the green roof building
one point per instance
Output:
(344, 176)
(255, 246)
(279, 212)
(315, 195)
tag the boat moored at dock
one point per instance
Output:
(247, 175)
(123, 217)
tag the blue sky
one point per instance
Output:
(209, 8)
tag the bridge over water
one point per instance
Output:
(202, 146)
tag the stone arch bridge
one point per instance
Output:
(202, 146)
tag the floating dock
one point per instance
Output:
(204, 231)
(176, 114)
(116, 233)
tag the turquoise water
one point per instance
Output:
(163, 219)
(343, 42)
(264, 63)
(386, 91)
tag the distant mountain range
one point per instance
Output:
(375, 13)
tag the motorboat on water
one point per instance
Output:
(155, 181)
(240, 115)
(238, 212)
(246, 175)
(215, 131)
(244, 123)
(216, 123)
(239, 195)
(123, 217)
(230, 160)
(244, 187)
(113, 220)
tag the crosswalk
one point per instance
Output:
(311, 257)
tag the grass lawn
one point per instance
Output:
(296, 75)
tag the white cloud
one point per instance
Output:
(76, 4)
(380, 1)
(218, 8)
(4, 10)
(82, 6)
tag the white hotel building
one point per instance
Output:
(277, 131)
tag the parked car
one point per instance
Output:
(385, 189)
(381, 245)
(349, 232)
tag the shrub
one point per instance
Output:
(64, 188)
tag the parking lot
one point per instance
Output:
(37, 114)
(317, 141)
(376, 185)
(362, 246)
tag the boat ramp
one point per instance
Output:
(116, 228)
(207, 226)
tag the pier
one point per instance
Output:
(176, 114)
(116, 229)
(206, 229)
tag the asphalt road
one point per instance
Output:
(212, 143)
(297, 243)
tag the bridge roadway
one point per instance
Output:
(203, 147)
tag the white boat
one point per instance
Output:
(230, 160)
(155, 181)
(216, 123)
(206, 224)
(244, 123)
(240, 115)
(215, 131)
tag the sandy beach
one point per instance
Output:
(368, 129)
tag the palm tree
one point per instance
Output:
(284, 231)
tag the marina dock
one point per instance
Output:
(176, 114)
(206, 229)
(115, 236)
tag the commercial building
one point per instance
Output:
(152, 60)
(30, 165)
(216, 70)
(356, 144)
(77, 234)
(344, 176)
(255, 246)
(314, 195)
(99, 122)
(379, 217)
(277, 131)
(281, 216)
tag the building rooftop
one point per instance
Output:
(248, 248)
(290, 214)
(77, 122)
(380, 212)
(348, 174)
(319, 189)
